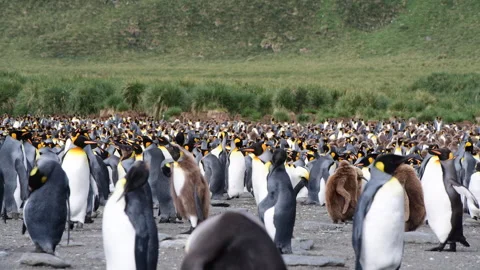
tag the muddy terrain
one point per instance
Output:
(330, 240)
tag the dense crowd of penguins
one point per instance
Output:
(387, 176)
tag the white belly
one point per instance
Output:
(16, 195)
(474, 186)
(121, 171)
(437, 202)
(110, 186)
(382, 236)
(268, 220)
(236, 174)
(303, 193)
(259, 180)
(77, 169)
(118, 236)
(178, 179)
(321, 193)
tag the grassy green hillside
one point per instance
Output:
(332, 57)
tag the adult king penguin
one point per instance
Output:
(130, 237)
(76, 165)
(217, 245)
(442, 191)
(45, 212)
(378, 223)
(260, 170)
(278, 209)
(235, 170)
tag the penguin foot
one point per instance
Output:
(79, 225)
(88, 219)
(285, 250)
(453, 247)
(189, 231)
(439, 248)
(309, 202)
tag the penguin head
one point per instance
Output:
(257, 148)
(82, 141)
(137, 176)
(238, 142)
(36, 180)
(388, 163)
(279, 157)
(441, 153)
(39, 174)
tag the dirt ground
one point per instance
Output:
(333, 240)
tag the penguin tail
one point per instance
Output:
(4, 215)
(198, 204)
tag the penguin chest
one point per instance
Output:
(118, 236)
(236, 174)
(178, 179)
(437, 202)
(259, 180)
(75, 164)
(382, 236)
(474, 185)
(269, 223)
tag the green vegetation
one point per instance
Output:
(317, 59)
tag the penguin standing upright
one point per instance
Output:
(474, 187)
(441, 191)
(14, 174)
(342, 192)
(130, 237)
(278, 209)
(378, 223)
(76, 165)
(45, 212)
(235, 170)
(260, 170)
(217, 245)
(188, 187)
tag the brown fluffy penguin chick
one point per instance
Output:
(341, 193)
(188, 187)
(414, 204)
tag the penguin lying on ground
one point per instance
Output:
(130, 237)
(378, 223)
(414, 204)
(45, 212)
(342, 192)
(189, 189)
(217, 245)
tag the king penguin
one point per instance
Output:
(45, 212)
(443, 204)
(235, 170)
(130, 237)
(278, 209)
(217, 245)
(474, 187)
(76, 165)
(260, 169)
(378, 223)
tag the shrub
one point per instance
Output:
(284, 98)
(265, 103)
(281, 116)
(113, 101)
(132, 93)
(55, 99)
(368, 15)
(173, 111)
(303, 118)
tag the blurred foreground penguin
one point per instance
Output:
(45, 212)
(217, 245)
(130, 237)
(442, 191)
(378, 223)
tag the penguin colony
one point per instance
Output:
(388, 177)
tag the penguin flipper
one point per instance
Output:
(472, 202)
(24, 228)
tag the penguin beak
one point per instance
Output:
(90, 142)
(250, 150)
(436, 152)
